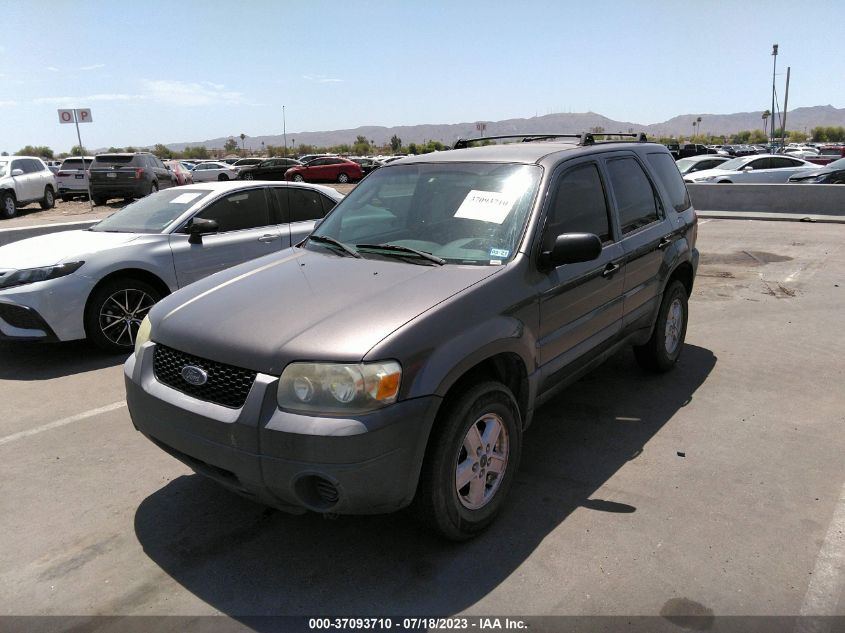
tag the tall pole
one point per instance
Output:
(774, 69)
(285, 130)
(82, 156)
(785, 103)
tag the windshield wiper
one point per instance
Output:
(405, 249)
(324, 239)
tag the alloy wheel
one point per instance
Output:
(121, 315)
(482, 461)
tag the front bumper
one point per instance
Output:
(51, 310)
(364, 465)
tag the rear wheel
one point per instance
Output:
(663, 349)
(248, 176)
(222, 177)
(49, 199)
(100, 200)
(470, 462)
(115, 311)
(67, 198)
(153, 186)
(343, 178)
(8, 208)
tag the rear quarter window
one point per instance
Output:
(667, 174)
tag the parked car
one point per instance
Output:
(180, 172)
(100, 282)
(53, 165)
(367, 164)
(331, 169)
(72, 178)
(127, 175)
(699, 163)
(270, 169)
(399, 352)
(693, 149)
(212, 170)
(246, 162)
(309, 157)
(831, 174)
(758, 168)
(25, 179)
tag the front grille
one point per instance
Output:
(21, 317)
(226, 385)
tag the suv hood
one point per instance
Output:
(54, 248)
(304, 305)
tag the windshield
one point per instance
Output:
(734, 164)
(837, 164)
(152, 214)
(4, 165)
(464, 213)
(76, 163)
(684, 164)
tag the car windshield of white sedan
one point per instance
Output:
(152, 214)
(734, 164)
(463, 213)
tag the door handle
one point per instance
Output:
(610, 270)
(268, 238)
(663, 243)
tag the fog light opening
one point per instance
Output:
(317, 493)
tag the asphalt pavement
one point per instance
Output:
(714, 490)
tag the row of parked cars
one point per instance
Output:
(395, 352)
(759, 168)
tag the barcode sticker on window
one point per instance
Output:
(185, 198)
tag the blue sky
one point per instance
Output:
(187, 70)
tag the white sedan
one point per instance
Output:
(758, 168)
(207, 172)
(99, 283)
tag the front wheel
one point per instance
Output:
(663, 349)
(470, 463)
(8, 208)
(115, 312)
(298, 178)
(49, 199)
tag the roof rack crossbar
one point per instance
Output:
(587, 138)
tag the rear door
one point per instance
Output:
(580, 304)
(644, 229)
(247, 229)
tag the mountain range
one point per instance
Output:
(572, 122)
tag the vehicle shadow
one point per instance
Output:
(44, 361)
(246, 560)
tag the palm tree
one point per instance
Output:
(243, 136)
(766, 115)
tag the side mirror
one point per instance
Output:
(571, 248)
(199, 227)
(17, 172)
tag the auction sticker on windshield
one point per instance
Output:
(184, 198)
(487, 206)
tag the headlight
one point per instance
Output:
(338, 388)
(31, 275)
(143, 334)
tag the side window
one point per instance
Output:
(328, 204)
(761, 163)
(31, 166)
(238, 211)
(16, 164)
(579, 206)
(634, 196)
(669, 176)
(778, 163)
(298, 204)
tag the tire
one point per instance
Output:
(724, 182)
(153, 187)
(342, 178)
(248, 176)
(8, 207)
(222, 178)
(115, 311)
(455, 513)
(663, 349)
(49, 199)
(298, 178)
(66, 198)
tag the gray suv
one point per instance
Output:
(128, 176)
(398, 354)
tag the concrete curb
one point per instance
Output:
(7, 236)
(774, 217)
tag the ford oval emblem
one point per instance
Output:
(194, 375)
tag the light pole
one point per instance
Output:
(285, 130)
(698, 124)
(774, 69)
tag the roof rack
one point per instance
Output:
(587, 138)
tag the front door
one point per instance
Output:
(580, 304)
(247, 229)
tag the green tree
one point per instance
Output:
(395, 143)
(757, 136)
(243, 142)
(131, 149)
(597, 129)
(361, 146)
(4, 154)
(412, 148)
(195, 152)
(161, 151)
(231, 145)
(42, 151)
(76, 150)
(115, 150)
